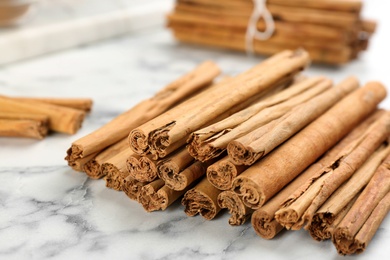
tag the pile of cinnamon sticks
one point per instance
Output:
(331, 31)
(285, 150)
(35, 117)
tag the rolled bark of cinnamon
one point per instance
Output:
(295, 213)
(142, 168)
(264, 179)
(258, 143)
(61, 119)
(378, 187)
(368, 230)
(93, 167)
(120, 126)
(148, 196)
(237, 209)
(23, 125)
(115, 170)
(172, 128)
(84, 104)
(222, 173)
(211, 141)
(202, 199)
(169, 168)
(184, 179)
(132, 188)
(79, 164)
(323, 219)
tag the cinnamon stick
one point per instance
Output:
(61, 119)
(115, 170)
(23, 125)
(258, 143)
(132, 188)
(368, 230)
(265, 178)
(202, 199)
(84, 104)
(142, 168)
(170, 168)
(120, 126)
(211, 141)
(296, 212)
(378, 187)
(237, 209)
(172, 128)
(185, 178)
(148, 196)
(324, 217)
(93, 167)
(222, 173)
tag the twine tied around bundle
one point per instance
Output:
(259, 11)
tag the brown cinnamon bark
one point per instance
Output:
(115, 170)
(300, 210)
(183, 179)
(120, 126)
(84, 104)
(61, 119)
(211, 141)
(142, 168)
(237, 209)
(132, 187)
(378, 187)
(265, 178)
(23, 125)
(324, 217)
(222, 173)
(93, 167)
(148, 196)
(368, 230)
(202, 199)
(172, 128)
(256, 144)
(169, 168)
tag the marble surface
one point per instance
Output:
(49, 211)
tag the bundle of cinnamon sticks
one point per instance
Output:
(331, 31)
(285, 150)
(35, 117)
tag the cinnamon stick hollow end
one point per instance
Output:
(202, 199)
(238, 211)
(265, 225)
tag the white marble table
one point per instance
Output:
(49, 211)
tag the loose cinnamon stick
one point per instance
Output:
(222, 173)
(170, 168)
(93, 167)
(237, 209)
(174, 126)
(378, 187)
(115, 170)
(368, 230)
(120, 126)
(256, 144)
(132, 187)
(23, 125)
(61, 119)
(184, 179)
(265, 178)
(324, 217)
(295, 213)
(210, 142)
(84, 104)
(142, 168)
(202, 199)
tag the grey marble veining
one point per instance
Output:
(49, 211)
